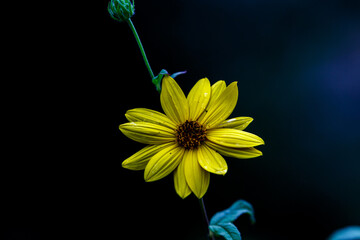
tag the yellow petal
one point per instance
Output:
(148, 133)
(238, 123)
(196, 177)
(241, 153)
(198, 98)
(216, 89)
(235, 138)
(148, 115)
(181, 186)
(139, 160)
(222, 107)
(163, 163)
(173, 101)
(211, 161)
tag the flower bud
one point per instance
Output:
(121, 10)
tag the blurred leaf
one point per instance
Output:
(226, 230)
(347, 233)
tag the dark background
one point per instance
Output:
(297, 64)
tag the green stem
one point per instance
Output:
(131, 25)
(202, 205)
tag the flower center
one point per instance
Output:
(190, 134)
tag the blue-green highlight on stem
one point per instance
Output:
(203, 210)
(122, 11)
(132, 27)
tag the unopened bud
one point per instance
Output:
(121, 10)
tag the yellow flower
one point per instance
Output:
(191, 136)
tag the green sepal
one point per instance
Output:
(221, 222)
(174, 75)
(157, 80)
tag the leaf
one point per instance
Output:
(239, 208)
(347, 233)
(226, 230)
(221, 222)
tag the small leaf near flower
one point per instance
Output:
(226, 230)
(239, 208)
(221, 222)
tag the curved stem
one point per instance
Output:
(202, 205)
(132, 27)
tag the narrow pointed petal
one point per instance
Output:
(139, 160)
(163, 163)
(173, 101)
(148, 133)
(197, 178)
(241, 153)
(148, 115)
(198, 98)
(238, 123)
(211, 161)
(216, 89)
(181, 186)
(235, 138)
(222, 107)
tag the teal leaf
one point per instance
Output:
(221, 223)
(225, 230)
(347, 233)
(239, 208)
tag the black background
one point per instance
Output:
(297, 67)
